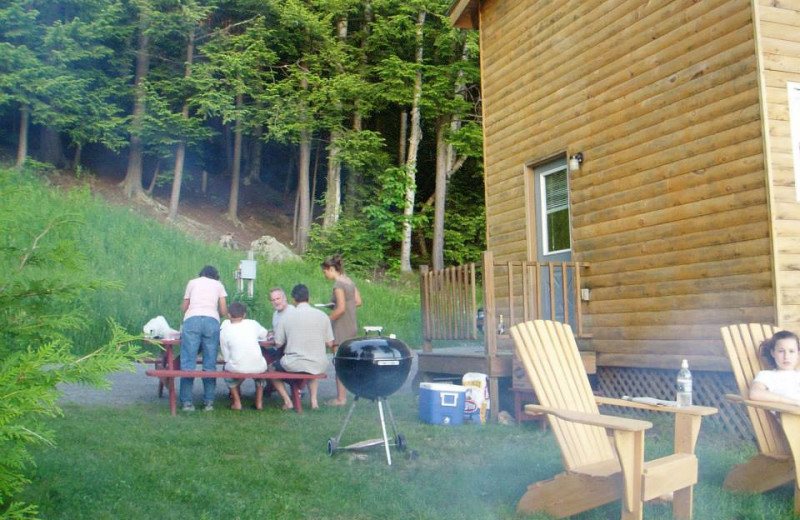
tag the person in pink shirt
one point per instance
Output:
(203, 304)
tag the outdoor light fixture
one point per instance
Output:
(575, 162)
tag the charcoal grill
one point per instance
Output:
(372, 367)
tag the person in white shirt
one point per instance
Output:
(238, 339)
(304, 333)
(782, 383)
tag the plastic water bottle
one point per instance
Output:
(684, 396)
(501, 329)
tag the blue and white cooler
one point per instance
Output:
(441, 403)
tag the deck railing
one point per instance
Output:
(519, 290)
(449, 304)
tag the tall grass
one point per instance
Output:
(152, 263)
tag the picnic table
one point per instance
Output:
(167, 369)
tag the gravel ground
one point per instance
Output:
(137, 388)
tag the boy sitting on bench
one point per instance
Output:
(238, 339)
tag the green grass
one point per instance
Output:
(140, 462)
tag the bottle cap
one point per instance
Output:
(684, 364)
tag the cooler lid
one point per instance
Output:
(442, 387)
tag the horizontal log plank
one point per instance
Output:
(665, 362)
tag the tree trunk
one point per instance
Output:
(333, 190)
(355, 176)
(413, 149)
(314, 176)
(76, 159)
(304, 206)
(22, 146)
(440, 194)
(254, 171)
(401, 149)
(154, 178)
(180, 152)
(132, 184)
(446, 166)
(233, 202)
(303, 171)
(226, 130)
(50, 148)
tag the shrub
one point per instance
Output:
(43, 279)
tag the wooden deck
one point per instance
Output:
(462, 359)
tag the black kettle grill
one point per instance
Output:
(372, 367)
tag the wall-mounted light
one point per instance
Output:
(575, 161)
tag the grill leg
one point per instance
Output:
(383, 428)
(391, 418)
(346, 420)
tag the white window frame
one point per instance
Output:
(543, 208)
(793, 93)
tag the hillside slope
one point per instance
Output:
(262, 211)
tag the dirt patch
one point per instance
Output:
(262, 210)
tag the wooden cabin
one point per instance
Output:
(652, 143)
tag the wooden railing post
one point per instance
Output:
(474, 300)
(424, 305)
(489, 304)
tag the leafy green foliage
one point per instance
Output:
(335, 73)
(43, 280)
(354, 239)
(64, 66)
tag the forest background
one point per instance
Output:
(367, 112)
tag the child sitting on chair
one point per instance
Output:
(238, 340)
(782, 383)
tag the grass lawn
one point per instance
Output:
(139, 462)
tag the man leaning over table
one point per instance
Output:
(304, 334)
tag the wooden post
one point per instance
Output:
(490, 328)
(489, 306)
(474, 315)
(424, 308)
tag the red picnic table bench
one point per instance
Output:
(167, 368)
(296, 381)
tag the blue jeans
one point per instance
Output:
(199, 332)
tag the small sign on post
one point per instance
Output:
(246, 271)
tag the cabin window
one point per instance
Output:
(554, 205)
(794, 121)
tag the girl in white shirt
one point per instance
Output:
(782, 383)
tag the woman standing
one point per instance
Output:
(343, 317)
(203, 303)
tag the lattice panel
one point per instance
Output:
(709, 389)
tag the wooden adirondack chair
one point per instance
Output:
(776, 426)
(599, 468)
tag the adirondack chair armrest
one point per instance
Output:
(604, 421)
(688, 410)
(765, 405)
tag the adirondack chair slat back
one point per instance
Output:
(741, 343)
(551, 359)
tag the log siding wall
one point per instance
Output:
(779, 43)
(670, 205)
